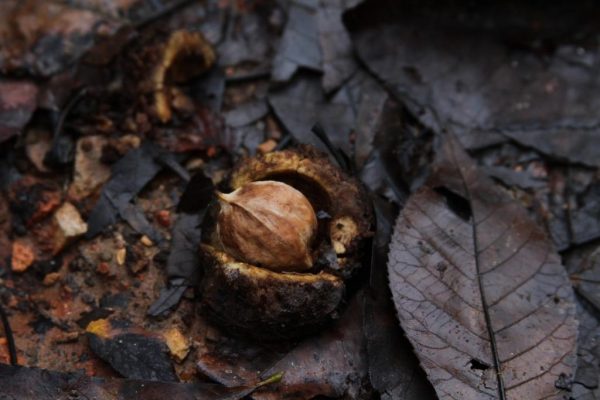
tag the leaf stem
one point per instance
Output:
(484, 304)
(271, 379)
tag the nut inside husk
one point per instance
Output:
(257, 297)
(268, 224)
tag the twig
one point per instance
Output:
(53, 156)
(10, 340)
(271, 379)
(66, 110)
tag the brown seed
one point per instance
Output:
(269, 224)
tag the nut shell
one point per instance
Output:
(265, 304)
(268, 224)
(270, 305)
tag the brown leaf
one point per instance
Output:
(330, 364)
(480, 290)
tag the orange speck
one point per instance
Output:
(22, 256)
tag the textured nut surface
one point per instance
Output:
(269, 224)
(248, 299)
(328, 189)
(266, 304)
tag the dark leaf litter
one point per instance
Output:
(393, 369)
(349, 111)
(134, 353)
(128, 177)
(331, 363)
(477, 85)
(43, 38)
(51, 385)
(182, 263)
(385, 83)
(18, 101)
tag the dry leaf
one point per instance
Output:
(480, 290)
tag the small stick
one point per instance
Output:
(10, 340)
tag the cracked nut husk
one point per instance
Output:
(272, 269)
(268, 224)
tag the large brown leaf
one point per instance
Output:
(480, 290)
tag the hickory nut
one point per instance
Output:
(268, 223)
(270, 269)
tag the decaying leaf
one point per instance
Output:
(183, 260)
(315, 38)
(242, 127)
(44, 37)
(38, 384)
(18, 100)
(246, 33)
(352, 109)
(480, 290)
(299, 45)
(331, 363)
(338, 61)
(394, 370)
(128, 177)
(169, 297)
(482, 79)
(583, 218)
(586, 384)
(584, 267)
(130, 350)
